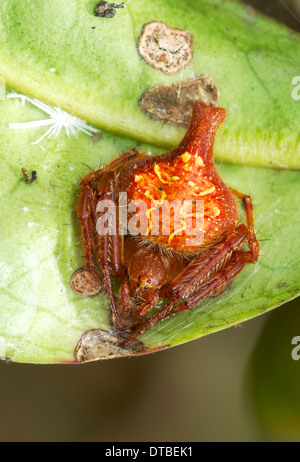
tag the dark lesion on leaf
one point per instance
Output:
(166, 49)
(106, 9)
(175, 103)
(83, 283)
(28, 180)
(98, 344)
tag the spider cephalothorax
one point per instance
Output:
(186, 245)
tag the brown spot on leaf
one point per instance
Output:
(100, 344)
(168, 50)
(282, 285)
(175, 103)
(83, 283)
(26, 176)
(106, 9)
(96, 138)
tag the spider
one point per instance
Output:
(170, 268)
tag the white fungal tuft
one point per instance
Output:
(57, 121)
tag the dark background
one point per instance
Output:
(196, 392)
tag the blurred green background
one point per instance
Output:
(237, 385)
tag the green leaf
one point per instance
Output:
(60, 53)
(41, 319)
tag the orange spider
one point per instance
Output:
(181, 258)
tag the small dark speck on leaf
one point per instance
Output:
(95, 138)
(282, 285)
(26, 176)
(107, 10)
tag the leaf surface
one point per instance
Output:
(41, 319)
(60, 53)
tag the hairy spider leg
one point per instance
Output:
(108, 247)
(195, 276)
(113, 165)
(253, 243)
(86, 211)
(209, 271)
(232, 268)
(205, 262)
(111, 244)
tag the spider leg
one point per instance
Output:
(229, 272)
(92, 242)
(232, 268)
(109, 242)
(109, 248)
(116, 163)
(86, 211)
(202, 276)
(125, 295)
(253, 243)
(203, 267)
